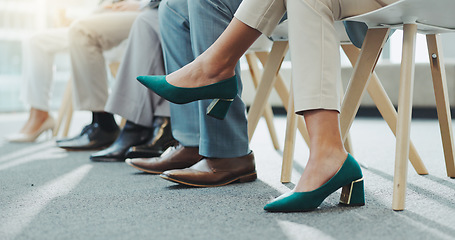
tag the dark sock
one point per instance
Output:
(105, 120)
(133, 126)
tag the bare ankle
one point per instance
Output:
(320, 168)
(217, 67)
(38, 115)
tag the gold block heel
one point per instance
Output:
(353, 194)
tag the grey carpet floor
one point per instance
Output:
(48, 193)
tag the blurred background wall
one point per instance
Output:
(18, 20)
(21, 18)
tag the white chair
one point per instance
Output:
(65, 112)
(427, 17)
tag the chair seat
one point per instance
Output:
(262, 44)
(435, 16)
(281, 32)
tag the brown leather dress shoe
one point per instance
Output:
(179, 158)
(214, 172)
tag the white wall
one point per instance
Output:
(18, 20)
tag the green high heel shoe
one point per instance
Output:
(349, 177)
(222, 92)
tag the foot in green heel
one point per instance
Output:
(349, 177)
(222, 92)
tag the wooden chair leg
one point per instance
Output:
(64, 107)
(386, 108)
(289, 143)
(347, 142)
(348, 145)
(268, 113)
(69, 118)
(122, 123)
(113, 68)
(404, 116)
(283, 93)
(388, 112)
(442, 100)
(372, 46)
(272, 66)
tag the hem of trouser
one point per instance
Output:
(258, 20)
(223, 151)
(162, 113)
(34, 103)
(209, 154)
(263, 27)
(39, 107)
(90, 108)
(124, 114)
(122, 107)
(316, 103)
(186, 140)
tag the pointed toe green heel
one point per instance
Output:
(349, 178)
(223, 93)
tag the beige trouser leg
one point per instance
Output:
(315, 50)
(39, 51)
(88, 38)
(313, 40)
(262, 15)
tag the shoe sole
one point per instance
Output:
(242, 179)
(77, 149)
(134, 154)
(83, 149)
(142, 155)
(142, 169)
(107, 159)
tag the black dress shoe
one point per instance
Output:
(130, 135)
(91, 137)
(162, 139)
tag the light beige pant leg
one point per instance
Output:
(262, 15)
(314, 47)
(313, 40)
(38, 52)
(88, 38)
(315, 50)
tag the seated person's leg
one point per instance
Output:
(315, 49)
(173, 15)
(223, 143)
(88, 38)
(147, 114)
(39, 53)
